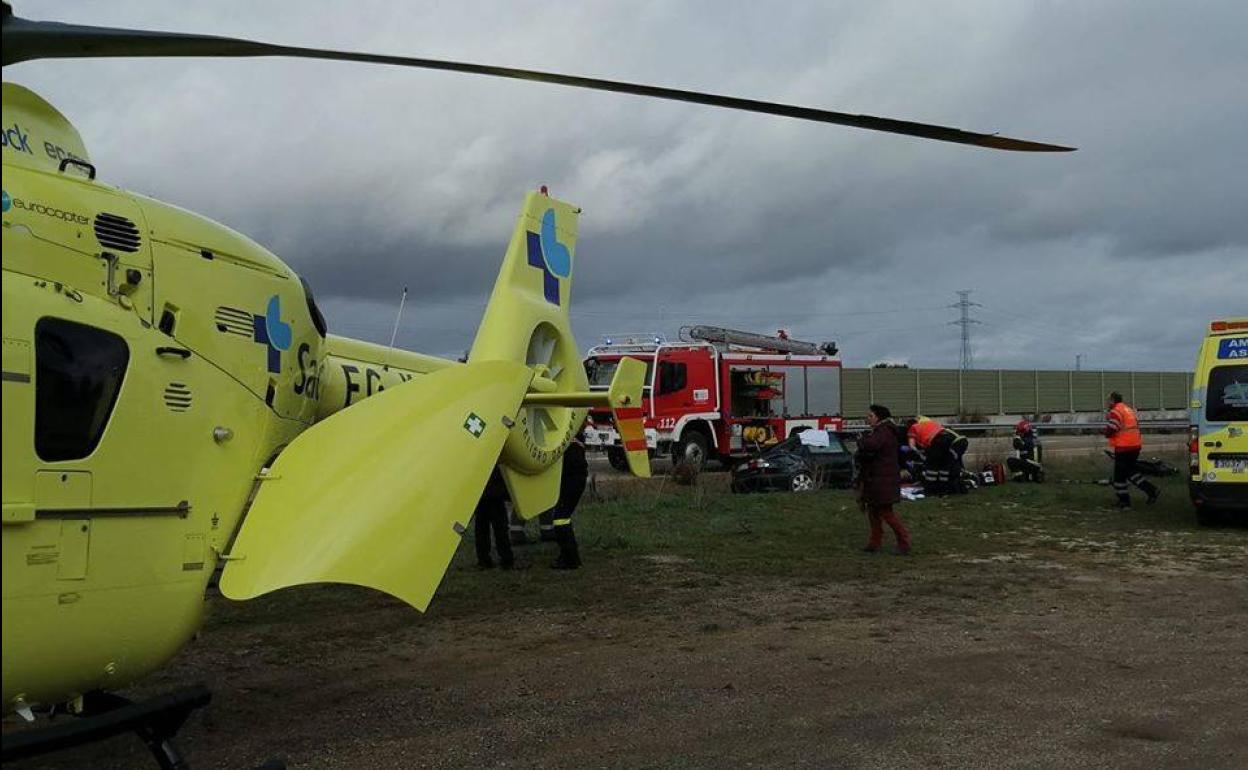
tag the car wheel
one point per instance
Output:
(691, 451)
(617, 458)
(802, 481)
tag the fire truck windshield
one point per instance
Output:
(600, 372)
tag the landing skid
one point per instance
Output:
(155, 721)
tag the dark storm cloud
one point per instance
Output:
(366, 179)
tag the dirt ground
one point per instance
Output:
(1052, 658)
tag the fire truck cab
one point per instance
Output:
(719, 393)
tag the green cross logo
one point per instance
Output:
(474, 425)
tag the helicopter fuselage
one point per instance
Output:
(155, 363)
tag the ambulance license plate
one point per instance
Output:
(1234, 465)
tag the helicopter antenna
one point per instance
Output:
(397, 317)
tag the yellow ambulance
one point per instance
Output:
(1218, 445)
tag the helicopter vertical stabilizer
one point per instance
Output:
(527, 321)
(624, 397)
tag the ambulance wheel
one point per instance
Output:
(691, 450)
(1208, 518)
(617, 458)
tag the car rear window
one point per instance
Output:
(1226, 398)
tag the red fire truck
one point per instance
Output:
(719, 393)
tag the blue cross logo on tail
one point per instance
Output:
(270, 330)
(553, 258)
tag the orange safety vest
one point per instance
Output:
(1127, 436)
(924, 431)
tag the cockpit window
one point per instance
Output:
(78, 374)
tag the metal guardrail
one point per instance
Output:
(1064, 427)
(1146, 426)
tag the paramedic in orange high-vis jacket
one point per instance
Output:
(1122, 428)
(942, 455)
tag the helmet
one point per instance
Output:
(1022, 427)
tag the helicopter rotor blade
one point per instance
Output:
(27, 40)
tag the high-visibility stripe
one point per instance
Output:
(562, 522)
(632, 432)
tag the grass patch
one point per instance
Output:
(648, 533)
(652, 546)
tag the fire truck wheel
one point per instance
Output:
(617, 458)
(691, 450)
(802, 482)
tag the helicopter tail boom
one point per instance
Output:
(390, 518)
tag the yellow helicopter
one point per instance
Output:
(173, 401)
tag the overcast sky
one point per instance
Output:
(367, 178)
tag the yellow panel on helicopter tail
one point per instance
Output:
(378, 495)
(624, 397)
(527, 321)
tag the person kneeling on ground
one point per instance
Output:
(1026, 463)
(879, 479)
(943, 450)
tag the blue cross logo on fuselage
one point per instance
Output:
(270, 330)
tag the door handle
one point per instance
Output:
(182, 353)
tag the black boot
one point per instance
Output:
(569, 554)
(1151, 490)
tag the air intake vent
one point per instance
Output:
(231, 320)
(178, 397)
(114, 232)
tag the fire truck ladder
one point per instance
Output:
(720, 336)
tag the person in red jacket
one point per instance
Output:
(1122, 428)
(879, 479)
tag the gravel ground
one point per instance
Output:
(1061, 655)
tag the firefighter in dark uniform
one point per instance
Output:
(571, 487)
(1027, 463)
(1122, 428)
(546, 526)
(491, 515)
